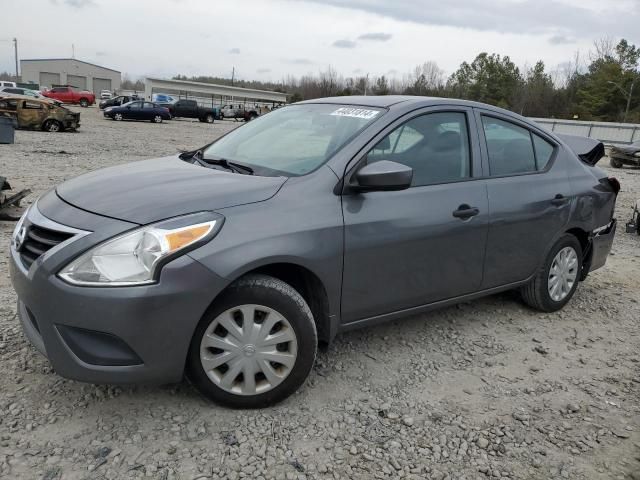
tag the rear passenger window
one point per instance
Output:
(510, 147)
(513, 149)
(544, 151)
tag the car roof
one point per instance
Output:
(404, 101)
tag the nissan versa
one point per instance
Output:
(231, 262)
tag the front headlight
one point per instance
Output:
(135, 257)
(637, 154)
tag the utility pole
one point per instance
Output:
(73, 51)
(628, 96)
(15, 50)
(233, 74)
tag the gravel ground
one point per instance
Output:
(486, 389)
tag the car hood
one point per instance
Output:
(152, 190)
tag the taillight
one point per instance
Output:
(615, 184)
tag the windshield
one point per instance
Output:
(294, 140)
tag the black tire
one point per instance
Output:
(269, 292)
(84, 103)
(615, 163)
(209, 118)
(536, 292)
(52, 126)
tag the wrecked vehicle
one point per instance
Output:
(633, 225)
(232, 261)
(39, 114)
(625, 155)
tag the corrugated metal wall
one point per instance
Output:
(610, 133)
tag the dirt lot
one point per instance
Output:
(488, 389)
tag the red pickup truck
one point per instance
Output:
(70, 95)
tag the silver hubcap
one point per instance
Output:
(563, 273)
(53, 127)
(248, 350)
(118, 116)
(158, 119)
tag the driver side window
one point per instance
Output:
(434, 145)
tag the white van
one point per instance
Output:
(4, 83)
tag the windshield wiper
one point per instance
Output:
(223, 162)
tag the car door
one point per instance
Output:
(409, 248)
(133, 111)
(34, 113)
(529, 196)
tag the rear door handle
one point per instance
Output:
(464, 212)
(559, 199)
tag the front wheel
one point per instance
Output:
(209, 118)
(255, 345)
(615, 163)
(84, 103)
(52, 126)
(157, 119)
(557, 280)
(117, 117)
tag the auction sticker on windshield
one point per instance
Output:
(355, 112)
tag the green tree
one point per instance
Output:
(382, 86)
(489, 78)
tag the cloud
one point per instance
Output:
(357, 70)
(263, 70)
(560, 40)
(505, 16)
(344, 44)
(234, 51)
(101, 54)
(376, 36)
(393, 71)
(76, 3)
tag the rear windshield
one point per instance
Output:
(294, 140)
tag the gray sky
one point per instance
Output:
(268, 39)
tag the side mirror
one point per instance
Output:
(383, 175)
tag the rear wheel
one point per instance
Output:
(557, 280)
(52, 126)
(255, 345)
(615, 163)
(209, 118)
(84, 103)
(157, 119)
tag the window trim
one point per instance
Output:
(530, 128)
(359, 158)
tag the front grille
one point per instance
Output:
(38, 241)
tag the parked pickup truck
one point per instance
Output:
(240, 112)
(191, 109)
(70, 95)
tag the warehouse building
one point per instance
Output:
(47, 72)
(211, 94)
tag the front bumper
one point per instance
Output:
(110, 335)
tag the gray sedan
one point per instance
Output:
(230, 263)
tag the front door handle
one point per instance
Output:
(559, 199)
(464, 212)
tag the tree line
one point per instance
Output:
(604, 85)
(599, 86)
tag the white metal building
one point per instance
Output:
(208, 93)
(68, 71)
